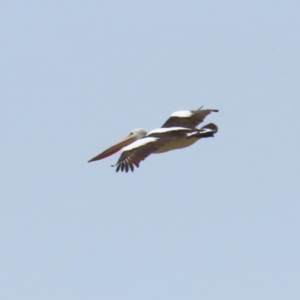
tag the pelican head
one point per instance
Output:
(137, 134)
(134, 135)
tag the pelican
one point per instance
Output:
(179, 131)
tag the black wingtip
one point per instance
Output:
(214, 110)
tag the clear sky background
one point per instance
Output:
(218, 220)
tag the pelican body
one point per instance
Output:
(179, 131)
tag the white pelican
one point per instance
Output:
(179, 131)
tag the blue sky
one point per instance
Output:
(218, 220)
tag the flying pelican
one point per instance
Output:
(179, 131)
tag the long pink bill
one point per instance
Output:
(113, 149)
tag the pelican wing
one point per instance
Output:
(187, 118)
(134, 153)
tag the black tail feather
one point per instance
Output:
(211, 126)
(208, 130)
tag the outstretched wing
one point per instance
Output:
(188, 118)
(134, 153)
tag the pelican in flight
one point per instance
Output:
(179, 131)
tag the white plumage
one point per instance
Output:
(179, 131)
